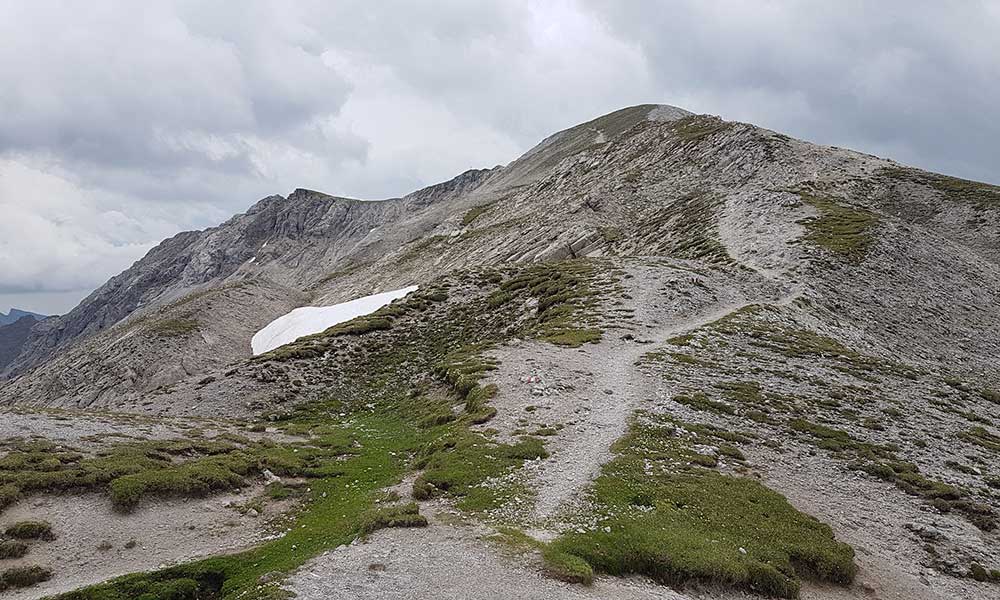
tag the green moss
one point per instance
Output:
(845, 231)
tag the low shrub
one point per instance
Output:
(21, 577)
(30, 530)
(12, 549)
(405, 515)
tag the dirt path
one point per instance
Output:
(593, 391)
(618, 391)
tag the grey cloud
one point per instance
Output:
(918, 80)
(125, 122)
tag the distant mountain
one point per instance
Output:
(16, 314)
(13, 336)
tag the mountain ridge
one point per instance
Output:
(657, 344)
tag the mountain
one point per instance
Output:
(16, 315)
(658, 343)
(12, 338)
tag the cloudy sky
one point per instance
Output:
(123, 122)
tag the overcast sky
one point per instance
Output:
(123, 122)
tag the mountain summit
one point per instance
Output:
(658, 344)
(16, 315)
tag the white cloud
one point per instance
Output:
(141, 119)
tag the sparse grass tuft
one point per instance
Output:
(22, 577)
(459, 463)
(30, 530)
(9, 494)
(405, 515)
(474, 213)
(12, 549)
(840, 229)
(174, 327)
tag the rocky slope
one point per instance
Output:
(16, 315)
(13, 335)
(816, 319)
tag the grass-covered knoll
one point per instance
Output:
(30, 530)
(174, 327)
(567, 295)
(136, 470)
(846, 231)
(663, 513)
(12, 549)
(462, 370)
(983, 196)
(21, 577)
(471, 468)
(685, 227)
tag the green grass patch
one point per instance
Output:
(30, 530)
(176, 327)
(403, 515)
(468, 466)
(664, 515)
(845, 231)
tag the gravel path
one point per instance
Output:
(592, 391)
(448, 562)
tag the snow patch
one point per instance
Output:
(308, 320)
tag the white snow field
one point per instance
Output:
(308, 320)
